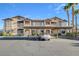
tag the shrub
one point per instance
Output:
(10, 34)
(71, 34)
(19, 35)
(0, 34)
(59, 34)
(4, 34)
(55, 34)
(34, 33)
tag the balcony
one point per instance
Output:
(53, 24)
(20, 26)
(47, 25)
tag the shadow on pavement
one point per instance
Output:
(69, 38)
(22, 38)
(75, 44)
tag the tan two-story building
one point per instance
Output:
(19, 25)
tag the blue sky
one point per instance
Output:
(32, 10)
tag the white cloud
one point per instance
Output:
(60, 6)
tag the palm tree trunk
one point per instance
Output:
(76, 24)
(73, 18)
(68, 19)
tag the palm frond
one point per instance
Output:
(76, 11)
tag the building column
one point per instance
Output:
(30, 23)
(30, 32)
(24, 32)
(57, 33)
(50, 31)
(4, 26)
(24, 22)
(44, 31)
(50, 22)
(44, 23)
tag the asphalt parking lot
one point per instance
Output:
(54, 47)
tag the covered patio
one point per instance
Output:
(47, 29)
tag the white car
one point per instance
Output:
(45, 37)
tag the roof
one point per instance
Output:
(58, 18)
(35, 19)
(7, 19)
(18, 17)
(21, 17)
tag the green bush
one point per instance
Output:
(71, 34)
(77, 33)
(10, 34)
(4, 34)
(19, 35)
(34, 33)
(59, 34)
(0, 34)
(55, 34)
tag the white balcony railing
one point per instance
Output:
(49, 25)
(53, 25)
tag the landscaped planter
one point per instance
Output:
(24, 38)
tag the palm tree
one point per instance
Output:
(69, 6)
(66, 8)
(72, 5)
(72, 17)
(76, 12)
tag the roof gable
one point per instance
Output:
(24, 18)
(57, 18)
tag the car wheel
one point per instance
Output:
(48, 39)
(43, 39)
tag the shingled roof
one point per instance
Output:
(35, 19)
(58, 18)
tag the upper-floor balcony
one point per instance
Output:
(42, 24)
(56, 25)
(20, 26)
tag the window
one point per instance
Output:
(47, 23)
(47, 31)
(20, 31)
(53, 22)
(63, 32)
(41, 31)
(37, 23)
(8, 23)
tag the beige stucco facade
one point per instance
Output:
(19, 25)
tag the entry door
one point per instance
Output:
(42, 32)
(47, 31)
(27, 33)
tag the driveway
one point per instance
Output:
(54, 47)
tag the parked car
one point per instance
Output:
(45, 37)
